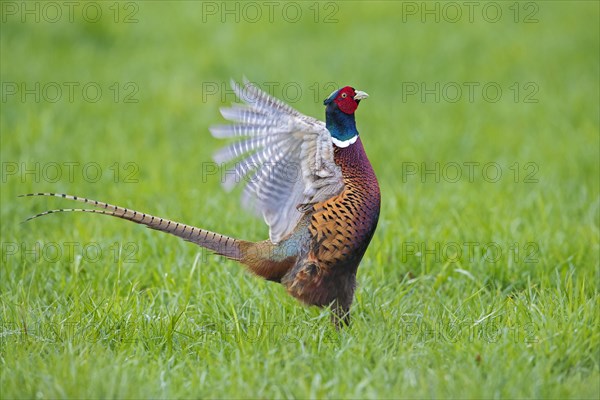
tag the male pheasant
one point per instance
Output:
(311, 181)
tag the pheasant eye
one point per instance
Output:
(344, 95)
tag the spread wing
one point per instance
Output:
(287, 158)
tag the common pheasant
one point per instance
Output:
(311, 181)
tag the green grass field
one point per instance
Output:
(483, 128)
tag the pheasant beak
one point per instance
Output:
(360, 95)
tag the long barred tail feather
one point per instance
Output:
(220, 244)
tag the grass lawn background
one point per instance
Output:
(479, 285)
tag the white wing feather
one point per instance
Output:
(288, 158)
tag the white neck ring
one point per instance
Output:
(344, 143)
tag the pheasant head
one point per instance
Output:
(339, 115)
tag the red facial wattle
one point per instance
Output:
(345, 100)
